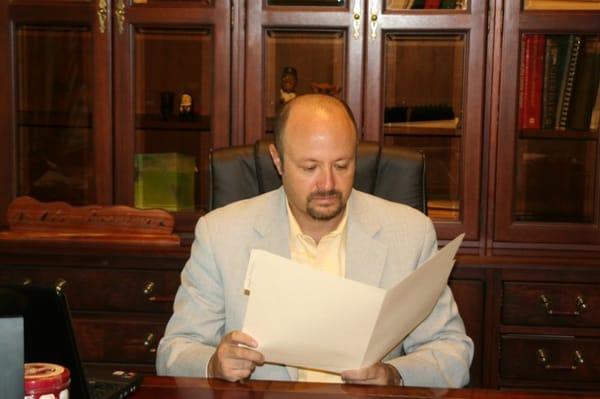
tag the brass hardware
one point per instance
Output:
(374, 18)
(544, 359)
(580, 307)
(60, 284)
(356, 19)
(149, 342)
(27, 281)
(149, 287)
(120, 15)
(102, 14)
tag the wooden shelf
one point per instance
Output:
(157, 122)
(73, 120)
(558, 134)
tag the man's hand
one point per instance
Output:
(233, 362)
(377, 374)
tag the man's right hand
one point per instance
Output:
(233, 362)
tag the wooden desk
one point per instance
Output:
(200, 388)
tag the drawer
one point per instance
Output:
(542, 304)
(118, 339)
(105, 289)
(550, 359)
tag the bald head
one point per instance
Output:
(311, 104)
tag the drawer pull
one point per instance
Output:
(60, 284)
(149, 342)
(580, 306)
(27, 281)
(148, 291)
(544, 359)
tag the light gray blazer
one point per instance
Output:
(386, 241)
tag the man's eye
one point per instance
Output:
(341, 167)
(308, 168)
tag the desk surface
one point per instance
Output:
(200, 388)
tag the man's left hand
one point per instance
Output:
(377, 374)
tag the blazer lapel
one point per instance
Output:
(365, 256)
(272, 226)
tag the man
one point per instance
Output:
(316, 218)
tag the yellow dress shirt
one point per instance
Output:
(329, 255)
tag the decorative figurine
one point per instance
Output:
(325, 88)
(289, 79)
(185, 107)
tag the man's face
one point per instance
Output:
(319, 149)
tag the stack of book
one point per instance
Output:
(560, 79)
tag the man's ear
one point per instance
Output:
(276, 158)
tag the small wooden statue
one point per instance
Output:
(289, 79)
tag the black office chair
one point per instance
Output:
(391, 172)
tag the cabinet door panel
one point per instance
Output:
(57, 141)
(430, 96)
(469, 296)
(548, 181)
(319, 49)
(172, 71)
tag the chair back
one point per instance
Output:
(390, 172)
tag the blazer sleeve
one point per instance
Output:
(438, 352)
(198, 319)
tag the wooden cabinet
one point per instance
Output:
(549, 329)
(547, 187)
(413, 77)
(120, 301)
(114, 102)
(91, 92)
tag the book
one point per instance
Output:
(595, 118)
(567, 84)
(432, 4)
(555, 62)
(585, 86)
(448, 4)
(532, 81)
(418, 4)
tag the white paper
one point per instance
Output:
(303, 317)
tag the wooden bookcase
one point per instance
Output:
(460, 67)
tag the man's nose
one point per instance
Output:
(327, 179)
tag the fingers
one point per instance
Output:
(234, 358)
(377, 374)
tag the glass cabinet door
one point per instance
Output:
(549, 152)
(58, 123)
(297, 47)
(172, 104)
(424, 87)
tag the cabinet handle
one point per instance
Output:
(60, 285)
(356, 19)
(148, 292)
(544, 359)
(120, 15)
(580, 306)
(374, 20)
(149, 342)
(27, 281)
(102, 14)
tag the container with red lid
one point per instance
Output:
(46, 381)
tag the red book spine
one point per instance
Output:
(535, 73)
(524, 78)
(432, 3)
